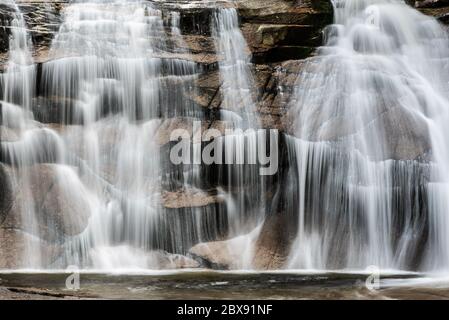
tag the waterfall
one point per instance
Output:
(246, 205)
(109, 67)
(17, 85)
(235, 69)
(370, 112)
(85, 142)
(92, 184)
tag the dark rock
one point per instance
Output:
(6, 198)
(273, 245)
(430, 3)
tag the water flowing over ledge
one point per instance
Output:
(362, 151)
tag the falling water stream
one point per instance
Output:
(371, 154)
(115, 89)
(369, 157)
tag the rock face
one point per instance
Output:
(283, 30)
(430, 3)
(20, 249)
(273, 245)
(436, 8)
(276, 31)
(265, 248)
(189, 198)
(411, 135)
(216, 255)
(125, 257)
(280, 35)
(6, 198)
(233, 254)
(60, 204)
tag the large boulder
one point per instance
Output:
(405, 136)
(277, 93)
(7, 134)
(6, 198)
(50, 202)
(265, 248)
(232, 254)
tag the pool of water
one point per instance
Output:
(220, 285)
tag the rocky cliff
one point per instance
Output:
(280, 35)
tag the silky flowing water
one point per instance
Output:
(222, 285)
(369, 183)
(371, 154)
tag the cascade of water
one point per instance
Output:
(110, 71)
(246, 207)
(371, 158)
(235, 69)
(28, 143)
(18, 82)
(112, 80)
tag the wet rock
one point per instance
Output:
(306, 12)
(441, 14)
(6, 16)
(273, 43)
(207, 94)
(189, 198)
(169, 126)
(273, 244)
(277, 93)
(6, 198)
(435, 8)
(20, 249)
(124, 256)
(221, 255)
(59, 202)
(167, 260)
(430, 3)
(8, 135)
(56, 110)
(406, 136)
(37, 145)
(43, 18)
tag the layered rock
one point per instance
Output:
(282, 30)
(436, 8)
(20, 249)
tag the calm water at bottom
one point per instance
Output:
(223, 285)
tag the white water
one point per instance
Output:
(371, 111)
(370, 114)
(114, 86)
